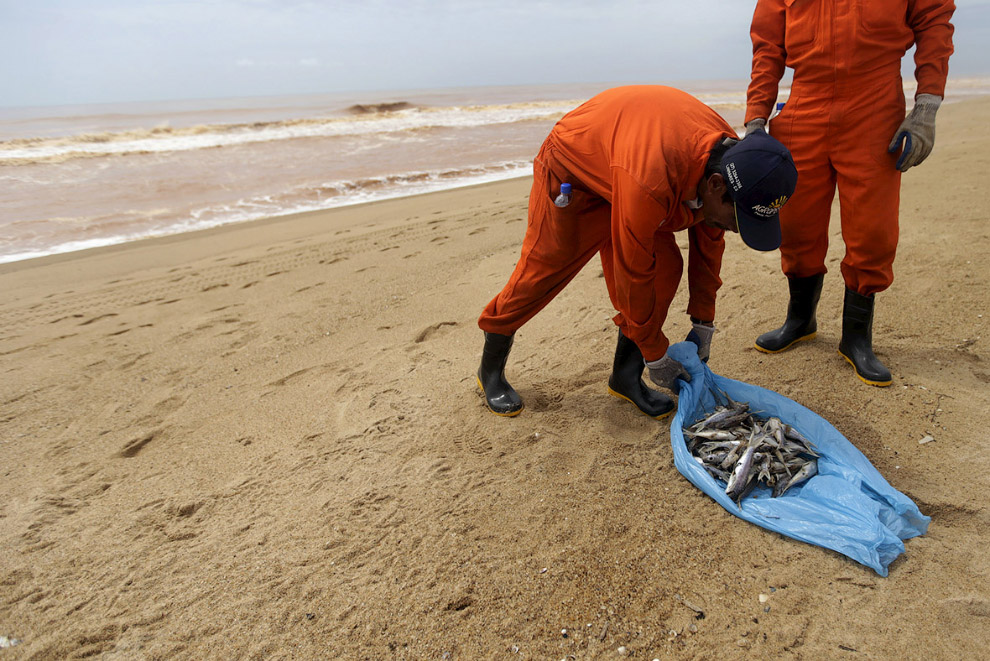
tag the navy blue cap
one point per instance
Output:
(760, 174)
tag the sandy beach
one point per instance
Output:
(265, 441)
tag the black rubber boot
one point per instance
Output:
(800, 323)
(857, 339)
(626, 381)
(499, 395)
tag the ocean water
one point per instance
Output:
(76, 177)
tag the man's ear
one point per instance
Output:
(716, 184)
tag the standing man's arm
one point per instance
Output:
(769, 55)
(929, 20)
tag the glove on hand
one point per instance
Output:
(701, 335)
(918, 129)
(666, 371)
(758, 124)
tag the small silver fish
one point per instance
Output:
(741, 473)
(807, 472)
(718, 473)
(716, 446)
(718, 416)
(795, 435)
(711, 434)
(725, 423)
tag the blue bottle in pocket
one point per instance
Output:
(564, 198)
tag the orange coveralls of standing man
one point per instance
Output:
(642, 162)
(845, 124)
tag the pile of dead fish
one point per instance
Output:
(742, 449)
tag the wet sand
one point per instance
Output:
(265, 441)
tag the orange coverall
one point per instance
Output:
(634, 157)
(846, 103)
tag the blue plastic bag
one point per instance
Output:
(847, 507)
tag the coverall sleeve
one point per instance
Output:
(929, 19)
(637, 264)
(769, 55)
(706, 245)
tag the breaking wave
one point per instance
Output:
(364, 109)
(361, 119)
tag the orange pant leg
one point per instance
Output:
(869, 200)
(802, 126)
(557, 245)
(869, 186)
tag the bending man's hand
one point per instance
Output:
(666, 371)
(918, 130)
(701, 335)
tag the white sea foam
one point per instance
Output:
(347, 193)
(164, 139)
(337, 194)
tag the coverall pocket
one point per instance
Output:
(885, 114)
(802, 20)
(875, 16)
(780, 124)
(583, 225)
(579, 197)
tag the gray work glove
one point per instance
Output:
(666, 371)
(701, 335)
(758, 124)
(918, 130)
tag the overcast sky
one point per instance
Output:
(85, 51)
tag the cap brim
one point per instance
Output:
(758, 233)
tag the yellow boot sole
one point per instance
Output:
(809, 336)
(655, 417)
(878, 384)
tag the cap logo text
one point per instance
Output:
(730, 170)
(769, 210)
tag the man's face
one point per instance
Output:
(718, 212)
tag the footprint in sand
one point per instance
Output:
(307, 287)
(95, 319)
(431, 331)
(132, 448)
(542, 401)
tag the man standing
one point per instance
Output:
(845, 125)
(641, 162)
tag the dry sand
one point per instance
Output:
(265, 441)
